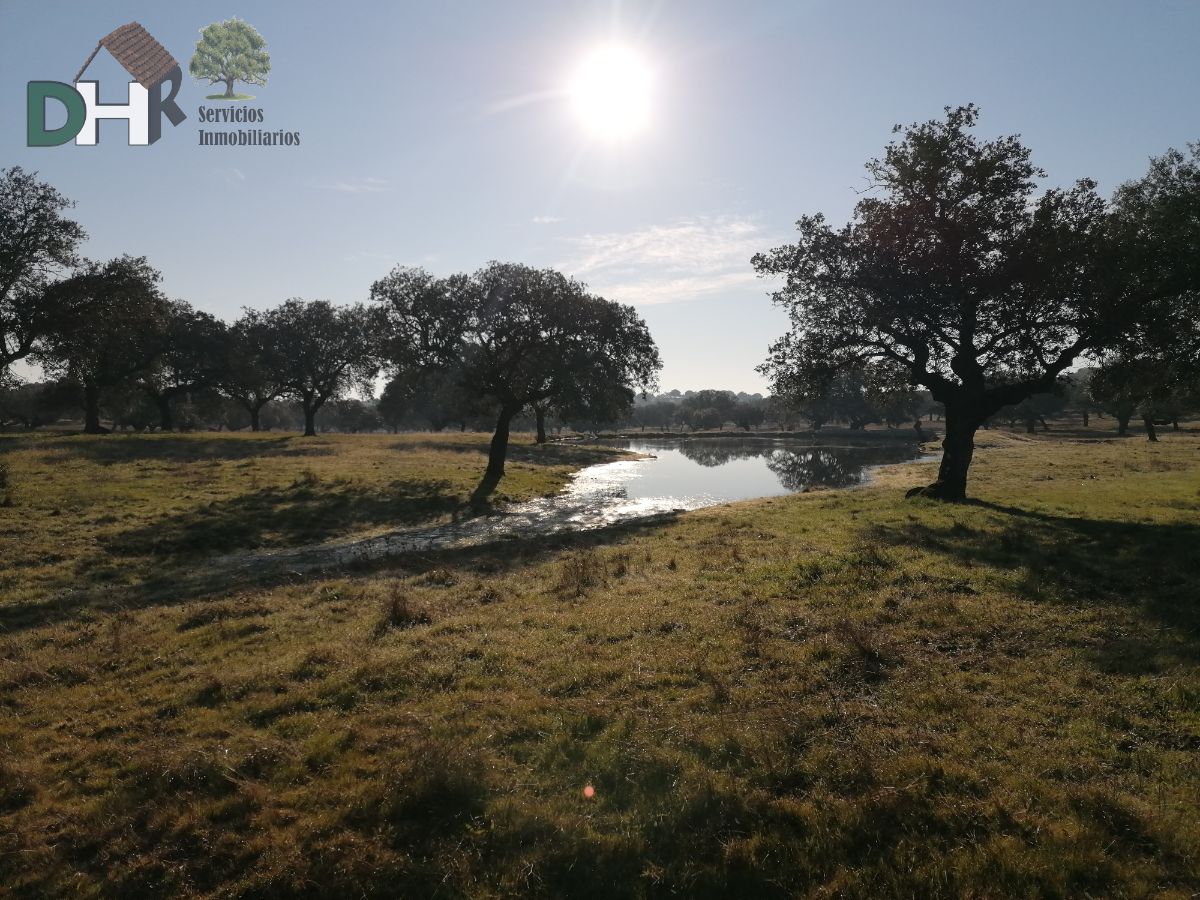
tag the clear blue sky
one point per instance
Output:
(417, 148)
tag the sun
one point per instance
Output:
(611, 93)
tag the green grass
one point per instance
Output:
(234, 98)
(842, 694)
(114, 511)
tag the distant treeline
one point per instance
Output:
(438, 405)
(957, 280)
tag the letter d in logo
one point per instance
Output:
(37, 93)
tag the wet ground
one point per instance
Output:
(672, 476)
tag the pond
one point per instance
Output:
(697, 472)
(671, 476)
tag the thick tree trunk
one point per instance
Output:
(255, 420)
(958, 447)
(497, 453)
(1123, 424)
(228, 87)
(1151, 434)
(310, 423)
(540, 416)
(91, 409)
(1085, 418)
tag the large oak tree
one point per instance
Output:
(317, 351)
(1155, 246)
(109, 329)
(955, 269)
(37, 244)
(247, 375)
(518, 336)
(193, 357)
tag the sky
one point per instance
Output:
(445, 135)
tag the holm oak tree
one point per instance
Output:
(956, 270)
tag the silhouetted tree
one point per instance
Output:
(709, 408)
(436, 398)
(656, 413)
(1077, 388)
(1152, 387)
(193, 356)
(247, 374)
(37, 244)
(351, 416)
(748, 414)
(518, 336)
(317, 351)
(1034, 409)
(109, 326)
(956, 271)
(1156, 232)
(34, 405)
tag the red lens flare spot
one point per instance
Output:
(589, 792)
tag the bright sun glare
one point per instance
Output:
(610, 93)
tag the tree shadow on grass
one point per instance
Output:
(1144, 567)
(176, 586)
(115, 449)
(302, 513)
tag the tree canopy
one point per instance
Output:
(109, 328)
(519, 336)
(37, 244)
(192, 356)
(317, 351)
(956, 270)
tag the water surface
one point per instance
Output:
(705, 471)
(672, 476)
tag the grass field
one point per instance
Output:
(90, 513)
(841, 694)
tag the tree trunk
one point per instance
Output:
(310, 424)
(228, 87)
(255, 421)
(1029, 429)
(91, 409)
(1151, 434)
(958, 447)
(1123, 423)
(497, 453)
(540, 415)
(166, 422)
(1175, 423)
(1085, 418)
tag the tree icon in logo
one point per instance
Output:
(230, 51)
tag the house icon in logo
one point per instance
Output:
(150, 65)
(142, 56)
